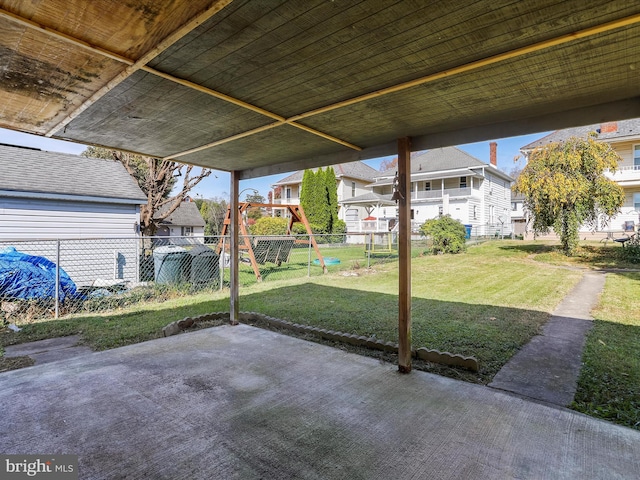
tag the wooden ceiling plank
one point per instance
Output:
(224, 140)
(133, 66)
(146, 58)
(518, 52)
(63, 36)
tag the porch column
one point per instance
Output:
(234, 251)
(404, 250)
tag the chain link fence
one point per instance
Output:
(53, 278)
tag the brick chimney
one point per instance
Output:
(609, 127)
(493, 156)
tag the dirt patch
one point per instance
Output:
(14, 363)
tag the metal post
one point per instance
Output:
(367, 242)
(234, 250)
(137, 240)
(222, 254)
(57, 309)
(309, 260)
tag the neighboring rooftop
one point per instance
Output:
(439, 159)
(357, 170)
(606, 131)
(33, 172)
(186, 215)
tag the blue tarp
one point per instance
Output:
(28, 276)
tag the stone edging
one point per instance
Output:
(434, 356)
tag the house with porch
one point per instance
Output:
(352, 179)
(624, 138)
(444, 181)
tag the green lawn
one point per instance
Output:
(487, 303)
(609, 384)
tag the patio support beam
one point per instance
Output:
(234, 250)
(404, 250)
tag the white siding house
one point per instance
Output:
(352, 179)
(46, 197)
(624, 138)
(448, 181)
(184, 221)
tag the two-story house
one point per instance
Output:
(445, 181)
(624, 138)
(352, 180)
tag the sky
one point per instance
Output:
(217, 184)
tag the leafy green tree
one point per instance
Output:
(319, 199)
(564, 187)
(270, 226)
(331, 189)
(213, 211)
(254, 212)
(447, 235)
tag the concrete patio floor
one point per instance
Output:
(241, 402)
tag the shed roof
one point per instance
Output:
(186, 215)
(267, 87)
(33, 172)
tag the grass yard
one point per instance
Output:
(609, 384)
(487, 303)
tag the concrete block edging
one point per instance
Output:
(429, 355)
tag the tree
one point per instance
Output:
(213, 211)
(331, 190)
(447, 234)
(157, 179)
(254, 213)
(388, 164)
(314, 199)
(564, 187)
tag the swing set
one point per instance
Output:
(273, 249)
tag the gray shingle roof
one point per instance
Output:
(370, 198)
(358, 170)
(186, 215)
(50, 173)
(438, 159)
(626, 128)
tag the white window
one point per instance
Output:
(492, 214)
(514, 206)
(353, 189)
(287, 192)
(463, 182)
(636, 202)
(187, 231)
(636, 157)
(427, 186)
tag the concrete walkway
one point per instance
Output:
(547, 368)
(246, 403)
(49, 350)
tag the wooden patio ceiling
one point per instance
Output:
(264, 87)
